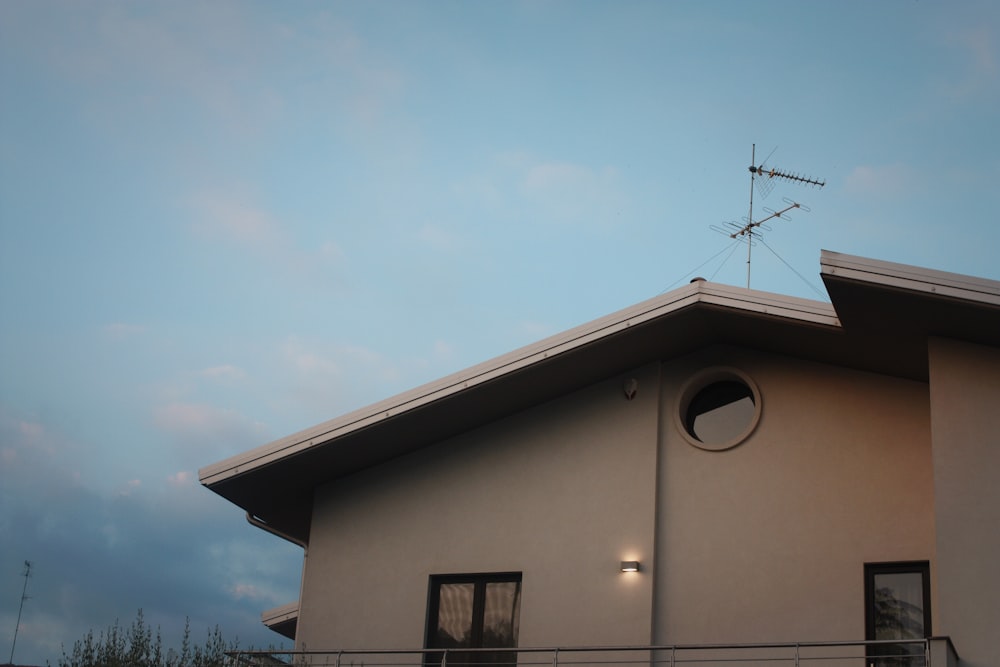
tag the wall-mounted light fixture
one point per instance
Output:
(631, 388)
(630, 566)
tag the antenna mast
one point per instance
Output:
(24, 596)
(765, 184)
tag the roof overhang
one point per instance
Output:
(275, 482)
(887, 302)
(284, 619)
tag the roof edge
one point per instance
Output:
(713, 294)
(905, 276)
(285, 612)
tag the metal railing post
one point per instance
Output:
(555, 658)
(444, 659)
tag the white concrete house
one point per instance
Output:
(780, 471)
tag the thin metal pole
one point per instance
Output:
(24, 596)
(753, 156)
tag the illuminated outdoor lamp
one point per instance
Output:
(630, 566)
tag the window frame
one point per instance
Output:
(872, 570)
(703, 380)
(480, 580)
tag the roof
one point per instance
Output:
(879, 320)
(284, 619)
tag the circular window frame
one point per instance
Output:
(705, 379)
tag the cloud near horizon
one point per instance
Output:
(100, 554)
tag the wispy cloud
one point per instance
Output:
(307, 360)
(533, 331)
(978, 72)
(887, 181)
(225, 373)
(200, 428)
(244, 590)
(122, 330)
(327, 378)
(435, 237)
(29, 442)
(570, 192)
(443, 351)
(561, 176)
(210, 58)
(130, 487)
(336, 361)
(181, 478)
(231, 219)
(549, 190)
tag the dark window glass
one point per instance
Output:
(473, 611)
(897, 606)
(720, 412)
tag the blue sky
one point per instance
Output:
(223, 222)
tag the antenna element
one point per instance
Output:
(24, 596)
(750, 228)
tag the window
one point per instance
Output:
(897, 606)
(718, 409)
(473, 611)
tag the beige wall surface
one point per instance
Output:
(562, 493)
(767, 541)
(965, 418)
(763, 542)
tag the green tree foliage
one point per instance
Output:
(139, 646)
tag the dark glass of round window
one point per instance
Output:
(720, 412)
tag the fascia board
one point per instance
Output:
(765, 303)
(722, 296)
(285, 612)
(916, 279)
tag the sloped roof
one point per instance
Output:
(890, 309)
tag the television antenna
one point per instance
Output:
(24, 596)
(763, 178)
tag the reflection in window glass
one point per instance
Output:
(899, 606)
(454, 621)
(897, 598)
(474, 611)
(500, 615)
(720, 412)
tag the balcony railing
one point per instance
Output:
(934, 652)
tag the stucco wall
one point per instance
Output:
(562, 493)
(767, 541)
(965, 418)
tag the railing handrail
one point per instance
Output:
(597, 648)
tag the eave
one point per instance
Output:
(284, 619)
(275, 482)
(890, 304)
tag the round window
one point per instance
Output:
(718, 409)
